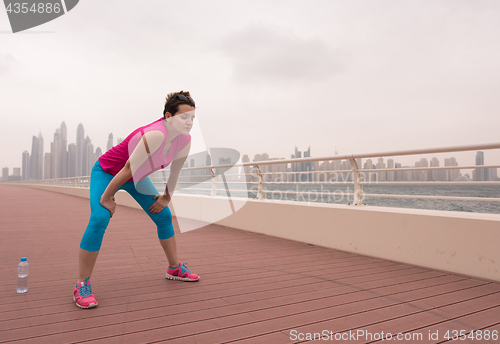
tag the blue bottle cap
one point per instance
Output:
(23, 259)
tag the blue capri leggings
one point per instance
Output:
(142, 192)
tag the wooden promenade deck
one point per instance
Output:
(253, 288)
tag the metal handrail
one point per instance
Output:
(459, 198)
(357, 173)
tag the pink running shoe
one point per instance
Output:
(181, 273)
(83, 296)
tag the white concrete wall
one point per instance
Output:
(466, 243)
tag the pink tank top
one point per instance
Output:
(114, 159)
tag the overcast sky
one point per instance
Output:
(362, 76)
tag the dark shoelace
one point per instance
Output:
(184, 268)
(85, 289)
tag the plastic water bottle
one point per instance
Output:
(22, 276)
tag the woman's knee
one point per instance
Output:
(166, 214)
(94, 233)
(164, 224)
(100, 221)
(165, 232)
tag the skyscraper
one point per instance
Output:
(25, 165)
(40, 156)
(98, 153)
(64, 136)
(47, 166)
(369, 176)
(33, 158)
(302, 166)
(87, 156)
(308, 166)
(451, 174)
(493, 174)
(399, 175)
(63, 167)
(64, 164)
(110, 142)
(80, 132)
(390, 174)
(72, 160)
(5, 174)
(296, 167)
(36, 158)
(382, 176)
(422, 175)
(479, 174)
(435, 175)
(55, 152)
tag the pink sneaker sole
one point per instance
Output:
(92, 305)
(185, 279)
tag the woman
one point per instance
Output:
(127, 166)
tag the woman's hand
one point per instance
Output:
(109, 204)
(160, 203)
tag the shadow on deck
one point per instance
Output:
(253, 288)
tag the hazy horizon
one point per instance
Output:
(361, 76)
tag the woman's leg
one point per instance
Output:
(99, 220)
(170, 249)
(143, 192)
(87, 261)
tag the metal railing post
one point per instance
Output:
(358, 185)
(260, 186)
(214, 184)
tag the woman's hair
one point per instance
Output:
(175, 99)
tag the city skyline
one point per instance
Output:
(484, 174)
(62, 161)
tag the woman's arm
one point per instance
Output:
(175, 169)
(107, 199)
(118, 180)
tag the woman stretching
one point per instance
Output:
(126, 167)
